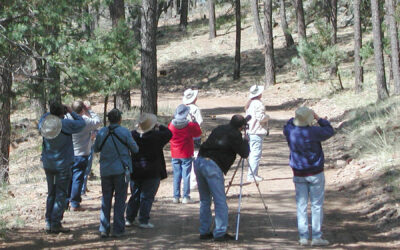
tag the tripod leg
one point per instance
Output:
(233, 176)
(240, 202)
(259, 192)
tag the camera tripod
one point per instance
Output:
(241, 165)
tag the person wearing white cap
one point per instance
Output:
(257, 130)
(189, 99)
(307, 163)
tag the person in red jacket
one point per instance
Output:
(182, 149)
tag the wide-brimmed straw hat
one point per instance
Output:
(189, 96)
(51, 126)
(255, 90)
(303, 117)
(181, 112)
(146, 122)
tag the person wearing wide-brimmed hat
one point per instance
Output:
(182, 149)
(149, 169)
(57, 158)
(189, 99)
(307, 163)
(115, 144)
(257, 130)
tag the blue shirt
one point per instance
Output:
(58, 153)
(306, 153)
(110, 160)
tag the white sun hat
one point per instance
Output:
(303, 117)
(255, 90)
(189, 95)
(51, 126)
(146, 122)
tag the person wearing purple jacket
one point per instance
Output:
(307, 163)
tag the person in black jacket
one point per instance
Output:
(215, 158)
(148, 169)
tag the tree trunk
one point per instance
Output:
(358, 69)
(5, 128)
(236, 72)
(149, 57)
(284, 25)
(212, 19)
(176, 6)
(54, 93)
(257, 23)
(269, 44)
(333, 21)
(394, 45)
(378, 52)
(38, 89)
(184, 15)
(117, 14)
(387, 24)
(301, 31)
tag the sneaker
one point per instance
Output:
(251, 179)
(187, 200)
(225, 237)
(303, 242)
(146, 225)
(207, 236)
(175, 200)
(47, 228)
(103, 235)
(60, 229)
(319, 242)
(129, 223)
(77, 209)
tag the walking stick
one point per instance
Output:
(240, 202)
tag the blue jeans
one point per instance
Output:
(182, 168)
(109, 185)
(57, 186)
(87, 172)
(313, 187)
(210, 181)
(78, 172)
(142, 197)
(255, 142)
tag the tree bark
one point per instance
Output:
(288, 37)
(149, 85)
(184, 15)
(394, 45)
(212, 19)
(39, 93)
(378, 52)
(301, 31)
(333, 21)
(54, 93)
(358, 69)
(257, 23)
(117, 14)
(5, 127)
(269, 44)
(236, 72)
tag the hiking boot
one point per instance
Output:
(147, 225)
(319, 242)
(207, 236)
(129, 223)
(77, 209)
(225, 237)
(60, 229)
(175, 200)
(251, 178)
(187, 200)
(103, 235)
(303, 242)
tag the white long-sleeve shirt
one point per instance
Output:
(81, 140)
(195, 112)
(259, 120)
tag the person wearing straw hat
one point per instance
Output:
(57, 158)
(115, 144)
(257, 130)
(182, 148)
(307, 163)
(149, 169)
(82, 149)
(189, 99)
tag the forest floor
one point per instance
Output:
(352, 201)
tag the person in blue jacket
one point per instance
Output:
(57, 158)
(307, 163)
(114, 144)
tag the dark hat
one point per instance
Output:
(114, 115)
(238, 121)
